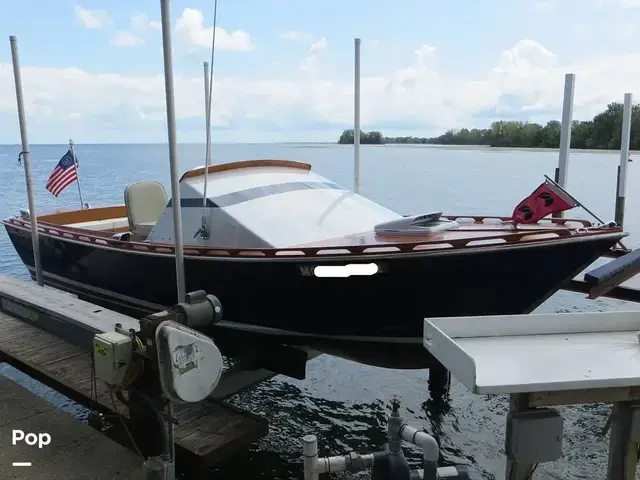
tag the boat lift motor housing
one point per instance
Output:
(189, 363)
(183, 366)
(199, 310)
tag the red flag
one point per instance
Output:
(546, 199)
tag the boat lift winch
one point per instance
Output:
(166, 362)
(389, 463)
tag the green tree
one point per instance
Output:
(603, 132)
(370, 138)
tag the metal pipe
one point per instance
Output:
(35, 238)
(565, 130)
(175, 182)
(207, 93)
(173, 151)
(75, 166)
(625, 138)
(356, 120)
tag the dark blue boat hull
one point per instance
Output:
(376, 319)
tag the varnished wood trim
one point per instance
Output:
(104, 240)
(86, 215)
(246, 164)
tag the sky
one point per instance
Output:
(284, 69)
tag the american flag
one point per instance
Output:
(63, 175)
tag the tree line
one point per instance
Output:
(602, 132)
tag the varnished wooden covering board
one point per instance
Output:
(211, 430)
(85, 215)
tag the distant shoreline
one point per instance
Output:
(486, 148)
(601, 133)
(492, 149)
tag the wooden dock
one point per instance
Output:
(206, 432)
(72, 442)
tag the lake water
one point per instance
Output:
(344, 403)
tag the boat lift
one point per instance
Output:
(547, 360)
(167, 361)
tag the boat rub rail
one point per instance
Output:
(509, 237)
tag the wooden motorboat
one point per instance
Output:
(263, 231)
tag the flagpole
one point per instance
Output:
(575, 200)
(75, 165)
(35, 240)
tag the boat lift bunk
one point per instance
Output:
(547, 360)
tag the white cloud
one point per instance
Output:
(295, 35)
(142, 23)
(122, 38)
(629, 3)
(310, 64)
(425, 53)
(93, 19)
(191, 30)
(525, 82)
(544, 5)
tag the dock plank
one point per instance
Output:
(207, 432)
(72, 442)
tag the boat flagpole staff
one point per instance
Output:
(205, 230)
(35, 240)
(75, 165)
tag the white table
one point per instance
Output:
(548, 360)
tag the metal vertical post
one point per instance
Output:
(26, 155)
(356, 120)
(565, 132)
(625, 140)
(518, 471)
(175, 183)
(208, 133)
(173, 150)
